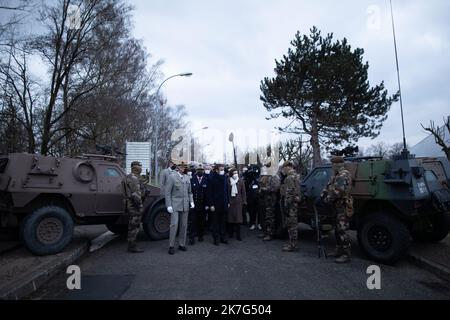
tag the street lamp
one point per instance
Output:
(231, 139)
(186, 74)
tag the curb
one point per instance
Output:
(433, 267)
(30, 283)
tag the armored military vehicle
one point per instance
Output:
(394, 200)
(44, 197)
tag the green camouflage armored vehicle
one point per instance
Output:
(44, 197)
(394, 200)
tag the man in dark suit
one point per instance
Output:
(218, 203)
(197, 216)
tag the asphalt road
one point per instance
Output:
(249, 269)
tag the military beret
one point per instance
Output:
(337, 159)
(136, 163)
(288, 164)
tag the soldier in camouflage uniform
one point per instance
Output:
(292, 198)
(337, 193)
(132, 189)
(269, 187)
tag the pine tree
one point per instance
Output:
(323, 86)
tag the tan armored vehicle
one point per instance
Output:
(44, 197)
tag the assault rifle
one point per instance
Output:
(320, 247)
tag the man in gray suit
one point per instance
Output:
(179, 198)
(164, 176)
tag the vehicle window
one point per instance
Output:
(430, 176)
(320, 176)
(111, 172)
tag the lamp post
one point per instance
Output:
(231, 139)
(155, 158)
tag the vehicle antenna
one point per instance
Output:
(398, 79)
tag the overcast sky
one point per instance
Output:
(230, 46)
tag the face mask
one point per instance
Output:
(189, 173)
(235, 176)
(200, 174)
(207, 171)
(222, 172)
(173, 167)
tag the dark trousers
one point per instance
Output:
(235, 229)
(244, 215)
(219, 224)
(254, 213)
(197, 223)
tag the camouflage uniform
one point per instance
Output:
(292, 198)
(268, 193)
(337, 193)
(132, 188)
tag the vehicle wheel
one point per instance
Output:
(118, 228)
(434, 229)
(383, 237)
(157, 223)
(47, 230)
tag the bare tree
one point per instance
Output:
(439, 134)
(100, 88)
(63, 47)
(298, 151)
(379, 149)
(396, 149)
(18, 93)
(13, 13)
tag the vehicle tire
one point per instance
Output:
(47, 230)
(435, 230)
(383, 237)
(156, 223)
(119, 229)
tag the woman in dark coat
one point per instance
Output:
(238, 198)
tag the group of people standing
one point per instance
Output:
(216, 199)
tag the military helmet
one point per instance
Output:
(136, 164)
(337, 159)
(288, 164)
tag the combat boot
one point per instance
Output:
(132, 247)
(336, 253)
(268, 237)
(345, 257)
(289, 247)
(261, 235)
